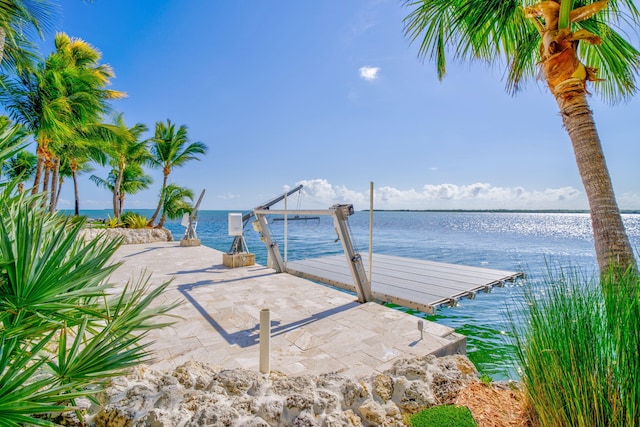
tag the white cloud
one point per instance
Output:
(322, 194)
(369, 73)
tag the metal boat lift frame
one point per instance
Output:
(340, 214)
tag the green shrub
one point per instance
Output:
(134, 220)
(64, 331)
(112, 222)
(578, 350)
(444, 416)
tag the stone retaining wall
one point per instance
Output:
(198, 394)
(131, 235)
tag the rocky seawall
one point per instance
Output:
(130, 235)
(198, 394)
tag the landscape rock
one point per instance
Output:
(198, 394)
(130, 235)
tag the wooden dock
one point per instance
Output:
(412, 283)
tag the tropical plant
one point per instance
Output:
(64, 331)
(134, 220)
(55, 99)
(20, 167)
(555, 36)
(125, 149)
(170, 148)
(113, 222)
(82, 80)
(133, 180)
(578, 349)
(71, 167)
(174, 203)
(18, 21)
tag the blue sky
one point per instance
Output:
(331, 94)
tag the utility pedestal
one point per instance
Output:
(239, 256)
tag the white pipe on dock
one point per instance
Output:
(265, 340)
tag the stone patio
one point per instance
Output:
(314, 328)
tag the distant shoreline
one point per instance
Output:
(571, 211)
(584, 211)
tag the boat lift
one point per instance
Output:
(191, 222)
(340, 214)
(239, 244)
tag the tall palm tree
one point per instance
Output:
(20, 19)
(20, 167)
(125, 148)
(132, 181)
(170, 148)
(33, 103)
(568, 40)
(75, 66)
(174, 203)
(64, 93)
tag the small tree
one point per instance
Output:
(174, 203)
(170, 148)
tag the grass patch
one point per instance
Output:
(444, 416)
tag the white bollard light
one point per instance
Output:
(265, 340)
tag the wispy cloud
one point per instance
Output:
(322, 193)
(369, 73)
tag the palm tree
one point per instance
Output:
(170, 148)
(20, 167)
(556, 36)
(18, 20)
(125, 149)
(54, 99)
(71, 167)
(174, 203)
(132, 181)
(76, 67)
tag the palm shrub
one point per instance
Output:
(64, 330)
(134, 220)
(578, 349)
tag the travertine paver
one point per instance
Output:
(315, 329)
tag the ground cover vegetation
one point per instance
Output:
(576, 336)
(64, 331)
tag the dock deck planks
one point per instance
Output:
(412, 283)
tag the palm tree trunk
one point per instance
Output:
(157, 212)
(38, 175)
(76, 191)
(47, 174)
(55, 169)
(116, 193)
(60, 182)
(613, 250)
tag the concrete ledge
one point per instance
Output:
(131, 235)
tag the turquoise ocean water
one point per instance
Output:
(520, 241)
